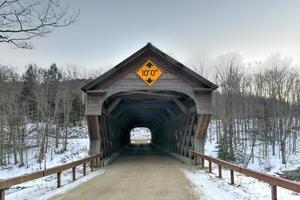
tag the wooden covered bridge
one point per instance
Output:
(149, 89)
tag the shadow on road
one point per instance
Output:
(142, 150)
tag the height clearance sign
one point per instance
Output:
(149, 72)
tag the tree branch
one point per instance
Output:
(22, 20)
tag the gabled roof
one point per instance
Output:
(150, 47)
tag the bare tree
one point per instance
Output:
(256, 112)
(22, 20)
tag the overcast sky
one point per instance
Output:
(110, 31)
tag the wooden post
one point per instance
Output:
(209, 166)
(202, 163)
(232, 177)
(274, 192)
(2, 194)
(58, 179)
(91, 165)
(74, 173)
(220, 171)
(97, 162)
(84, 169)
(94, 127)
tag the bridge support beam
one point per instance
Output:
(200, 133)
(94, 134)
(199, 144)
(2, 194)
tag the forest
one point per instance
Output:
(50, 100)
(256, 105)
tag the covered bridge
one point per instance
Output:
(149, 89)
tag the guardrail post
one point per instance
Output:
(98, 162)
(209, 166)
(58, 179)
(202, 163)
(2, 194)
(232, 177)
(74, 173)
(84, 169)
(274, 192)
(92, 165)
(220, 171)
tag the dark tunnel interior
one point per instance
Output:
(163, 112)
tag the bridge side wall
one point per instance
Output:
(183, 133)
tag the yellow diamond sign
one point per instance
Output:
(149, 72)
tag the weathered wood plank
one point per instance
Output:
(183, 139)
(74, 173)
(202, 124)
(180, 105)
(113, 105)
(2, 194)
(171, 113)
(58, 179)
(96, 91)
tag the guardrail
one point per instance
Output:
(94, 161)
(272, 180)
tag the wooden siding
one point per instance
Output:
(204, 103)
(94, 104)
(127, 80)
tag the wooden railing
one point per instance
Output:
(94, 161)
(272, 180)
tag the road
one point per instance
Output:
(141, 172)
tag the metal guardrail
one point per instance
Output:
(94, 161)
(272, 180)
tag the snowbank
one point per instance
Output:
(210, 187)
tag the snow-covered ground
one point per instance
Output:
(44, 188)
(269, 164)
(140, 133)
(210, 187)
(77, 149)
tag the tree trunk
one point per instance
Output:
(43, 142)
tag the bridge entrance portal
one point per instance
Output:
(149, 89)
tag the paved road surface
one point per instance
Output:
(140, 173)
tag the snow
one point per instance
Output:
(45, 188)
(209, 187)
(270, 164)
(140, 133)
(77, 149)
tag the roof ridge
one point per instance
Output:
(149, 46)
